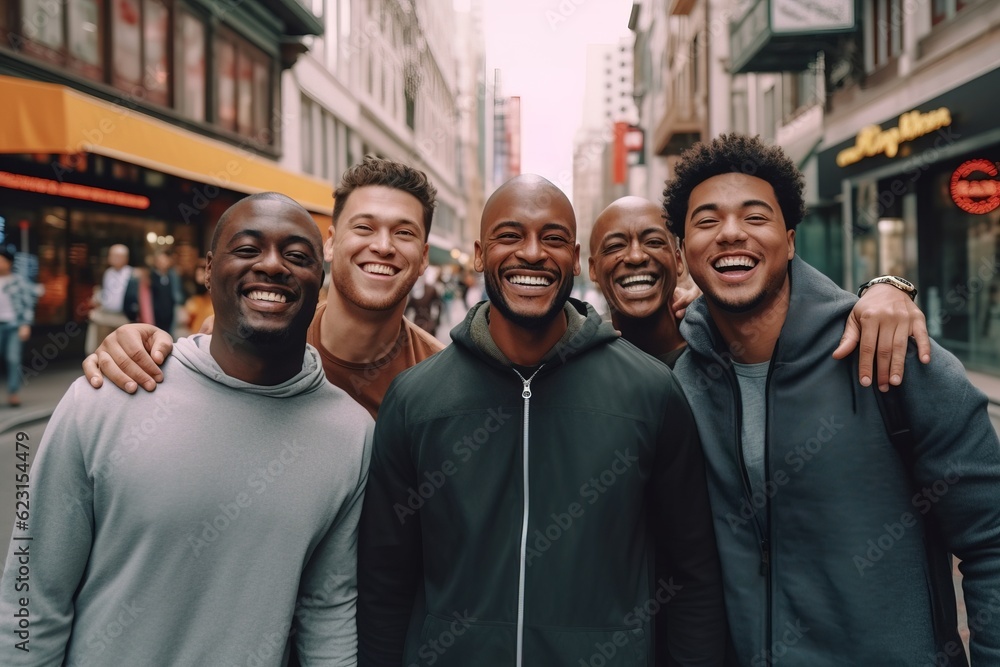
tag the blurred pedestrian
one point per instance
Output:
(195, 537)
(199, 305)
(17, 314)
(167, 290)
(107, 306)
(425, 303)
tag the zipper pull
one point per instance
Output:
(765, 557)
(526, 393)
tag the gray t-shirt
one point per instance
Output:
(752, 379)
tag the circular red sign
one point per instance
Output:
(978, 196)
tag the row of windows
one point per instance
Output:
(155, 51)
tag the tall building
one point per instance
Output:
(138, 122)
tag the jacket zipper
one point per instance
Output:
(526, 395)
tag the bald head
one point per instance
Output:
(118, 255)
(527, 192)
(618, 213)
(294, 209)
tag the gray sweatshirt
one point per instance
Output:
(201, 524)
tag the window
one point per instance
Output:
(41, 23)
(191, 77)
(942, 10)
(156, 38)
(767, 116)
(307, 134)
(887, 31)
(85, 37)
(126, 35)
(225, 83)
(740, 111)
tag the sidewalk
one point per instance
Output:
(40, 392)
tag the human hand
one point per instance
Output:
(130, 356)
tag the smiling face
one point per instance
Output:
(634, 258)
(736, 244)
(528, 252)
(265, 272)
(377, 248)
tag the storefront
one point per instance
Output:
(78, 175)
(920, 197)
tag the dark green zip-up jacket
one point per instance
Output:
(511, 522)
(826, 566)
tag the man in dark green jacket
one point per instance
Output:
(821, 524)
(523, 478)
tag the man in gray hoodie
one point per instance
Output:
(190, 526)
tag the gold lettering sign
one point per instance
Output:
(873, 140)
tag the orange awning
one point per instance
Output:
(49, 118)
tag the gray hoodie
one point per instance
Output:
(190, 526)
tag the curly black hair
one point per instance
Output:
(733, 154)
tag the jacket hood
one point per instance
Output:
(591, 332)
(811, 311)
(194, 353)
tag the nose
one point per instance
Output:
(272, 262)
(635, 253)
(731, 230)
(531, 250)
(381, 243)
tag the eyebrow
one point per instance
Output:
(372, 216)
(746, 204)
(548, 226)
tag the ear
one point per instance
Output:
(791, 244)
(328, 246)
(593, 270)
(576, 260)
(208, 271)
(477, 262)
(679, 260)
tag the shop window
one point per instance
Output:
(156, 39)
(243, 88)
(191, 76)
(126, 31)
(262, 102)
(887, 31)
(70, 37)
(42, 26)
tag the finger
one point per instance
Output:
(679, 313)
(883, 354)
(848, 341)
(112, 368)
(918, 329)
(867, 344)
(162, 346)
(92, 371)
(897, 364)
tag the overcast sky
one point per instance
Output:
(540, 46)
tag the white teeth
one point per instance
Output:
(260, 295)
(382, 269)
(645, 279)
(735, 262)
(536, 281)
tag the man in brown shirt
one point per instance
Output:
(377, 250)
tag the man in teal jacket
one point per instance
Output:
(820, 523)
(523, 477)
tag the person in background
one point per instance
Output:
(108, 306)
(167, 290)
(17, 314)
(199, 305)
(425, 305)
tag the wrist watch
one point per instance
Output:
(899, 283)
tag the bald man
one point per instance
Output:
(109, 307)
(523, 479)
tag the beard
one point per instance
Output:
(749, 304)
(494, 293)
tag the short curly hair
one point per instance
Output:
(374, 170)
(734, 154)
